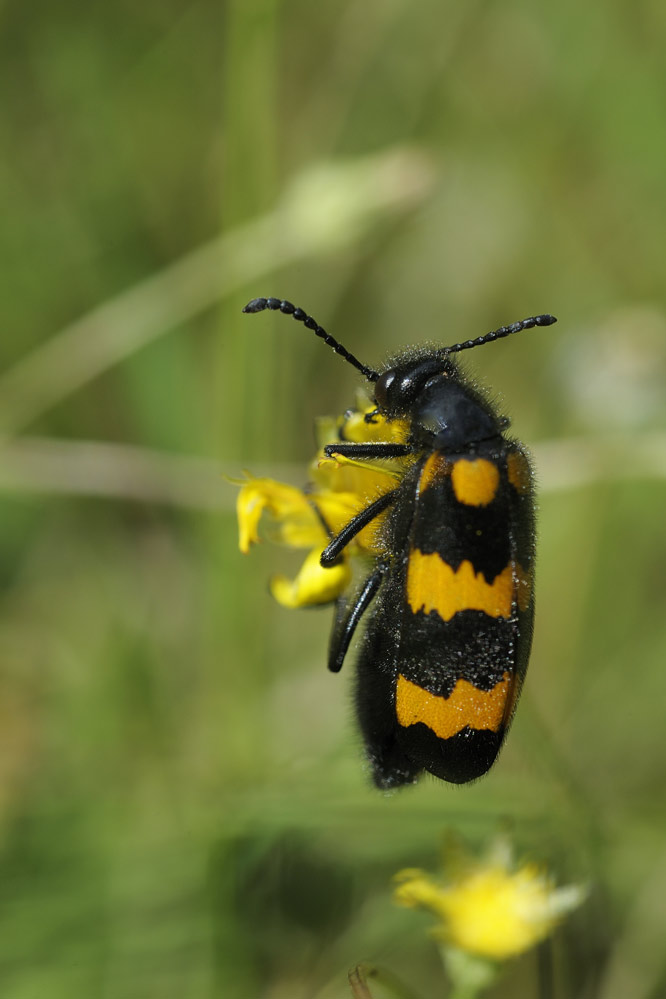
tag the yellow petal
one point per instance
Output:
(313, 585)
(417, 890)
(493, 914)
(293, 519)
(249, 507)
(362, 476)
(337, 508)
(356, 428)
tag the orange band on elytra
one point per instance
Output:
(433, 585)
(445, 716)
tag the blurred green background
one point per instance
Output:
(184, 809)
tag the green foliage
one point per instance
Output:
(183, 806)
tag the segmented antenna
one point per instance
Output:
(524, 324)
(279, 305)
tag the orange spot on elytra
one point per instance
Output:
(518, 472)
(475, 482)
(435, 468)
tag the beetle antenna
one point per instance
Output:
(524, 324)
(279, 305)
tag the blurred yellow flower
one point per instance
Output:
(487, 909)
(298, 518)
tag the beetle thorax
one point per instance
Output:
(447, 416)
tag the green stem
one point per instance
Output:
(469, 974)
(388, 982)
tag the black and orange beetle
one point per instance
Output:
(448, 604)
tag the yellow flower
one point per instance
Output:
(298, 518)
(487, 909)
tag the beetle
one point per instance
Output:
(448, 605)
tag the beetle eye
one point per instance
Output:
(383, 388)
